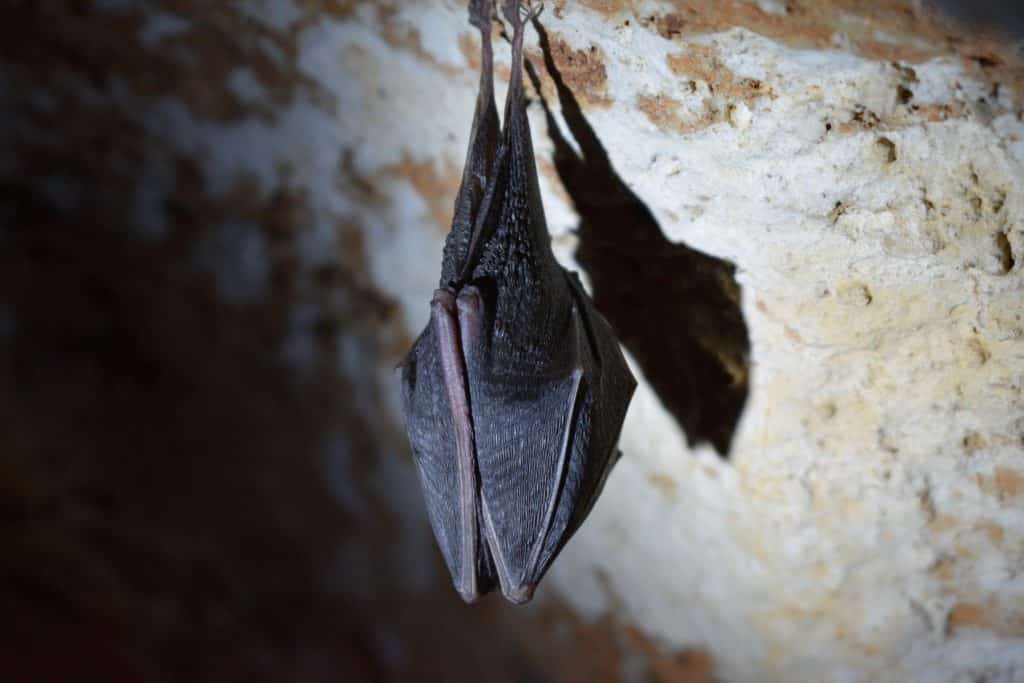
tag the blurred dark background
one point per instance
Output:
(1002, 16)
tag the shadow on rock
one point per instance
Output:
(675, 309)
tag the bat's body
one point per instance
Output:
(515, 392)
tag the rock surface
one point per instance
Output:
(806, 221)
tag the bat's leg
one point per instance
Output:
(518, 14)
(477, 175)
(512, 9)
(480, 14)
(453, 367)
(484, 137)
(522, 210)
(515, 115)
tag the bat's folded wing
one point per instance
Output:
(429, 423)
(431, 430)
(545, 444)
(542, 443)
(524, 430)
(611, 385)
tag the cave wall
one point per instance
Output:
(222, 225)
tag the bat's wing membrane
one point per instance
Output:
(541, 449)
(477, 188)
(430, 427)
(545, 446)
(441, 434)
(523, 425)
(611, 386)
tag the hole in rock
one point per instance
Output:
(886, 149)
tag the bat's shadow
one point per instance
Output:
(674, 308)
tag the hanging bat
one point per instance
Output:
(515, 392)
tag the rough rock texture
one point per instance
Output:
(221, 226)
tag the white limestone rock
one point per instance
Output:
(868, 523)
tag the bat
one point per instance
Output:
(515, 392)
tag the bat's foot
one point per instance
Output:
(480, 13)
(521, 12)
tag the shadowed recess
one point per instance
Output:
(674, 308)
(998, 16)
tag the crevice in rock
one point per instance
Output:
(887, 150)
(674, 308)
(1006, 259)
